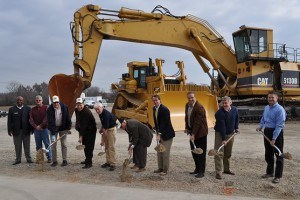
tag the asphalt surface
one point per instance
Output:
(15, 188)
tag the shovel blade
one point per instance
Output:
(101, 153)
(212, 152)
(80, 147)
(197, 151)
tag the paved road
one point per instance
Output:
(14, 188)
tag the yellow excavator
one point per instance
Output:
(257, 65)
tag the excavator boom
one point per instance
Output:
(88, 31)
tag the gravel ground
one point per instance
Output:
(247, 162)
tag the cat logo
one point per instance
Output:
(262, 81)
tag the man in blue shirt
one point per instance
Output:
(273, 121)
(108, 132)
(227, 122)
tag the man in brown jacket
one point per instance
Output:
(196, 127)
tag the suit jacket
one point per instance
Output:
(138, 133)
(85, 122)
(163, 123)
(14, 120)
(198, 121)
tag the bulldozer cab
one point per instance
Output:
(139, 74)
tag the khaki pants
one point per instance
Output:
(163, 159)
(63, 142)
(110, 140)
(223, 164)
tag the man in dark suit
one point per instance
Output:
(86, 126)
(196, 127)
(19, 127)
(164, 133)
(140, 137)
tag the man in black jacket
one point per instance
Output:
(108, 132)
(164, 133)
(86, 126)
(19, 127)
(59, 124)
(140, 137)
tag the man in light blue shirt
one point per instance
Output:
(273, 121)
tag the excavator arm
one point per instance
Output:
(187, 32)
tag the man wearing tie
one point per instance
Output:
(164, 133)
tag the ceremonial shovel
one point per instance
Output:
(286, 155)
(214, 152)
(47, 150)
(196, 150)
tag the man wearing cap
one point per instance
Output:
(86, 126)
(108, 132)
(38, 120)
(19, 127)
(59, 124)
(140, 137)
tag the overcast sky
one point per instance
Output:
(36, 40)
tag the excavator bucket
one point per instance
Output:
(68, 88)
(176, 101)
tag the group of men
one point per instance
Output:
(56, 118)
(44, 122)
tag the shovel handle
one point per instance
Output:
(58, 138)
(280, 153)
(228, 140)
(194, 144)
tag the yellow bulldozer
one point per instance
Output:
(144, 79)
(247, 74)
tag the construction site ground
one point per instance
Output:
(27, 181)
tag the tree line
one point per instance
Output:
(15, 89)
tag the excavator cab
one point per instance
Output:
(255, 44)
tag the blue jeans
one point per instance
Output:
(42, 136)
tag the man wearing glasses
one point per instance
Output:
(59, 124)
(38, 120)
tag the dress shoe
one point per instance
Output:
(194, 172)
(276, 180)
(86, 166)
(218, 176)
(64, 163)
(29, 161)
(163, 173)
(54, 164)
(105, 165)
(16, 162)
(267, 176)
(228, 172)
(112, 168)
(199, 175)
(83, 162)
(49, 161)
(140, 170)
(134, 167)
(157, 171)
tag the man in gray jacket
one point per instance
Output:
(140, 137)
(19, 127)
